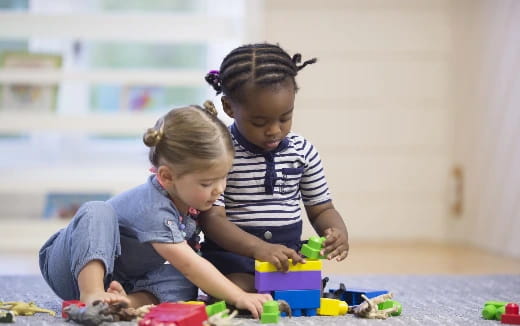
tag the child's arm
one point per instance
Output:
(204, 275)
(226, 234)
(327, 222)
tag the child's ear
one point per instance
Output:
(165, 175)
(226, 106)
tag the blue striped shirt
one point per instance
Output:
(251, 200)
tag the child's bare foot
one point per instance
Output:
(115, 293)
(116, 288)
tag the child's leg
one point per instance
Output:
(88, 246)
(244, 280)
(164, 284)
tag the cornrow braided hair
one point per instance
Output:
(262, 64)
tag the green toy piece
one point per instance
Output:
(388, 304)
(494, 310)
(215, 308)
(313, 247)
(24, 309)
(6, 316)
(271, 314)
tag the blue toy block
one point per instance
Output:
(272, 281)
(353, 295)
(302, 302)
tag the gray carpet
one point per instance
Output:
(426, 300)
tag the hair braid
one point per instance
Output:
(261, 64)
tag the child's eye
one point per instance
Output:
(258, 124)
(205, 185)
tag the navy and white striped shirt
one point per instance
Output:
(265, 188)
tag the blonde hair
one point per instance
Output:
(190, 137)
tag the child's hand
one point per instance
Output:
(278, 255)
(252, 302)
(336, 244)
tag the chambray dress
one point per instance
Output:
(119, 232)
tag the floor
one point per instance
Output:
(364, 259)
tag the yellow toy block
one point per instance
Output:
(332, 307)
(310, 265)
(193, 302)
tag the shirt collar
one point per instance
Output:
(252, 147)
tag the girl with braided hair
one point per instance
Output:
(115, 251)
(258, 216)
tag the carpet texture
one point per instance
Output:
(426, 300)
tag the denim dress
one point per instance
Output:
(119, 233)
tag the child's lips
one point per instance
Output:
(272, 144)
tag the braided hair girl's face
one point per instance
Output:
(264, 117)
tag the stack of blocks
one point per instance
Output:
(300, 287)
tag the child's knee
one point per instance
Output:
(98, 212)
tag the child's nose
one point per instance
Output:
(220, 187)
(273, 129)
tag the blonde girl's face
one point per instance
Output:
(201, 188)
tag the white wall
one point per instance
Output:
(378, 105)
(487, 123)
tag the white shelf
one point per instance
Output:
(114, 124)
(121, 27)
(163, 77)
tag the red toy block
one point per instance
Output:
(175, 314)
(511, 315)
(69, 303)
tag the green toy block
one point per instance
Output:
(390, 304)
(215, 308)
(271, 314)
(494, 309)
(313, 247)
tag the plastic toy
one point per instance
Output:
(24, 309)
(369, 308)
(178, 314)
(511, 316)
(332, 307)
(223, 318)
(494, 309)
(271, 313)
(90, 315)
(271, 281)
(310, 265)
(313, 247)
(7, 316)
(215, 308)
(353, 296)
(390, 304)
(67, 303)
(99, 312)
(301, 302)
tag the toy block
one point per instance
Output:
(311, 265)
(511, 315)
(215, 308)
(332, 307)
(7, 316)
(271, 313)
(302, 302)
(67, 303)
(388, 304)
(313, 247)
(272, 281)
(178, 314)
(493, 309)
(353, 296)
